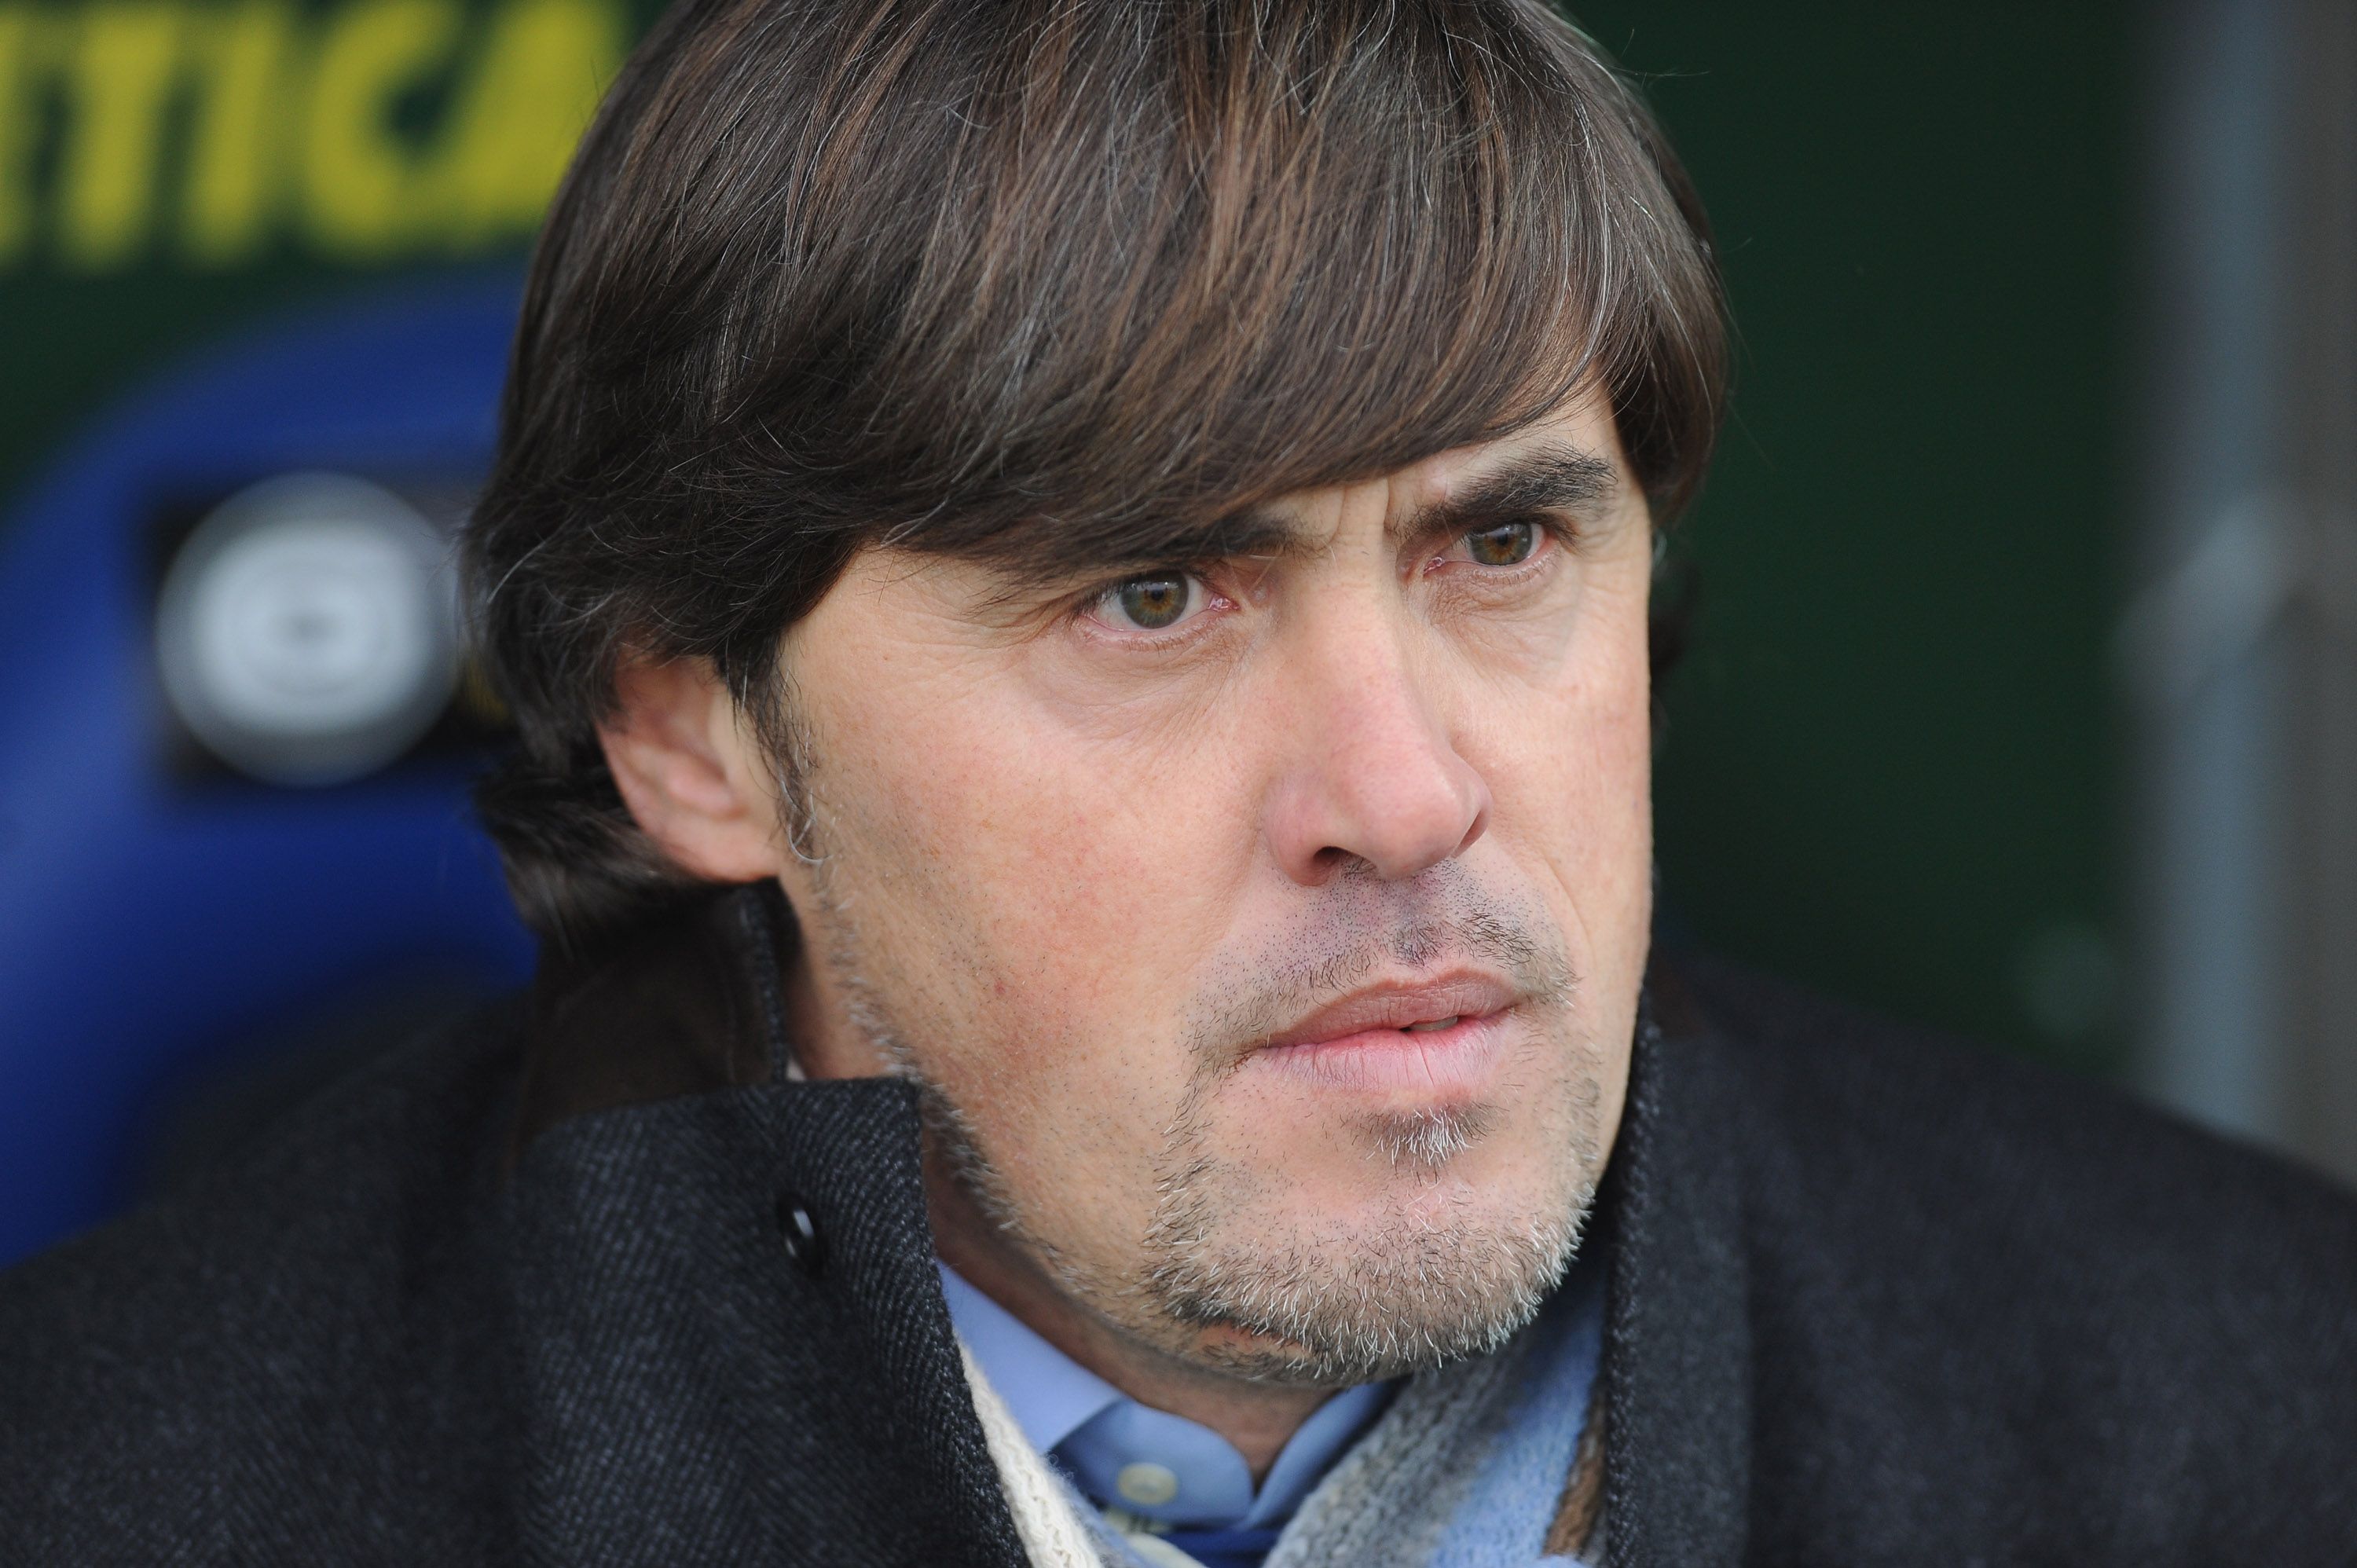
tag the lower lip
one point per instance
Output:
(1455, 1063)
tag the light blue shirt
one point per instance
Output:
(1096, 1433)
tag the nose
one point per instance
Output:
(1375, 779)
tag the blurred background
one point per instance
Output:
(2024, 699)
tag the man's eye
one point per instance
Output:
(1152, 603)
(1507, 544)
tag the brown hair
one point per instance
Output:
(1031, 281)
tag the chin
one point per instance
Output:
(1444, 1255)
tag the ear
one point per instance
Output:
(688, 771)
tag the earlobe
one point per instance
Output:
(684, 766)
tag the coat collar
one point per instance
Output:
(732, 1342)
(659, 1147)
(1677, 1343)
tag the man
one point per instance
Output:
(1072, 575)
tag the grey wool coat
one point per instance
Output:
(588, 1282)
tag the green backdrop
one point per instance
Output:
(1889, 767)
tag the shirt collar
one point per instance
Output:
(1050, 1395)
(1100, 1434)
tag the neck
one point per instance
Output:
(1258, 1418)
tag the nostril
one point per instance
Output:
(1473, 833)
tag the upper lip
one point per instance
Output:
(1397, 1005)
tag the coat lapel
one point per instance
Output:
(731, 1341)
(1677, 1343)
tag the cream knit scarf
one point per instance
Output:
(1045, 1517)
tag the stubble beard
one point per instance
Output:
(1214, 1283)
(1420, 1284)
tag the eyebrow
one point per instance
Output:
(1567, 481)
(1559, 479)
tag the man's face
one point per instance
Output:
(1267, 930)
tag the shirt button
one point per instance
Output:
(1149, 1485)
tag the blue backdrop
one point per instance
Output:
(183, 946)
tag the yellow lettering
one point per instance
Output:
(521, 109)
(18, 124)
(121, 78)
(365, 193)
(235, 143)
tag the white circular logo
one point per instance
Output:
(307, 631)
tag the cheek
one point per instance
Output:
(1569, 764)
(1014, 914)
(1051, 888)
